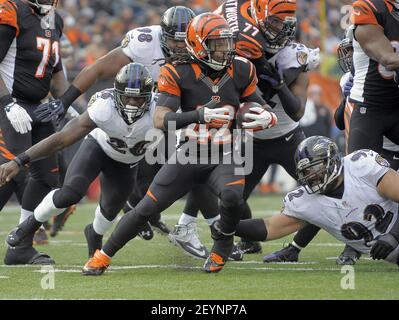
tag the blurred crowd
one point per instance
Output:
(96, 26)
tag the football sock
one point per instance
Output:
(305, 236)
(127, 228)
(101, 224)
(185, 219)
(46, 209)
(25, 214)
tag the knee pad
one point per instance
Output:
(66, 197)
(231, 198)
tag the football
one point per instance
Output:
(244, 109)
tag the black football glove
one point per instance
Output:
(50, 110)
(384, 245)
(273, 75)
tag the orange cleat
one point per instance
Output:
(96, 265)
(214, 263)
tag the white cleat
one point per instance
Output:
(187, 238)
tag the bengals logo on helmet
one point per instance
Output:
(203, 28)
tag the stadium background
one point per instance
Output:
(95, 27)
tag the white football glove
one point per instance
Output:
(313, 59)
(217, 117)
(19, 118)
(261, 119)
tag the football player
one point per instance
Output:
(30, 68)
(116, 124)
(374, 95)
(354, 198)
(152, 46)
(264, 30)
(342, 119)
(208, 89)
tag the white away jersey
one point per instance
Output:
(293, 56)
(143, 45)
(120, 141)
(344, 218)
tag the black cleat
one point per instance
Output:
(24, 230)
(250, 247)
(93, 239)
(26, 255)
(348, 257)
(287, 254)
(59, 221)
(236, 254)
(161, 228)
(146, 232)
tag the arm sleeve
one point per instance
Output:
(7, 35)
(168, 100)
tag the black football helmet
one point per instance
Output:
(174, 23)
(43, 7)
(318, 163)
(133, 81)
(345, 51)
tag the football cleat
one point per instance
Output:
(59, 221)
(214, 263)
(40, 237)
(250, 247)
(146, 233)
(287, 254)
(161, 228)
(348, 257)
(96, 265)
(22, 255)
(236, 254)
(93, 239)
(187, 238)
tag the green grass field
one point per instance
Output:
(158, 270)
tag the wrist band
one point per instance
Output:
(22, 159)
(6, 100)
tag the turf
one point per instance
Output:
(158, 270)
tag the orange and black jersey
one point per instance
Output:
(187, 87)
(250, 42)
(34, 54)
(373, 84)
(190, 87)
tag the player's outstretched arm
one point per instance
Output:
(105, 67)
(281, 225)
(59, 84)
(71, 133)
(268, 229)
(377, 46)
